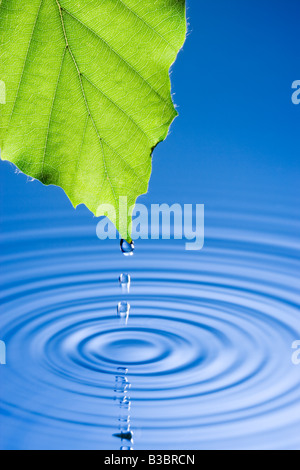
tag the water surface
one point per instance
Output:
(206, 350)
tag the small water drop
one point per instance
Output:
(121, 380)
(124, 420)
(122, 385)
(124, 417)
(126, 436)
(123, 310)
(126, 448)
(127, 248)
(124, 427)
(125, 403)
(122, 370)
(124, 281)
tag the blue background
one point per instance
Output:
(235, 148)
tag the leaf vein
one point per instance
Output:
(51, 111)
(147, 24)
(116, 105)
(115, 52)
(25, 63)
(61, 10)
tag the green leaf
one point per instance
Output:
(88, 93)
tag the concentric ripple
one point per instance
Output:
(207, 345)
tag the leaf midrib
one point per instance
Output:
(68, 48)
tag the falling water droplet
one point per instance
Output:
(125, 403)
(127, 248)
(121, 380)
(124, 427)
(123, 310)
(124, 422)
(122, 385)
(124, 281)
(127, 436)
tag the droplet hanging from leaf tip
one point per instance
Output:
(127, 248)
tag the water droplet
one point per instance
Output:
(124, 417)
(122, 391)
(122, 370)
(125, 403)
(121, 380)
(122, 385)
(126, 448)
(124, 427)
(126, 436)
(124, 420)
(123, 310)
(124, 281)
(127, 248)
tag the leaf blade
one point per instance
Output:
(88, 93)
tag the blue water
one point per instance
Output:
(205, 359)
